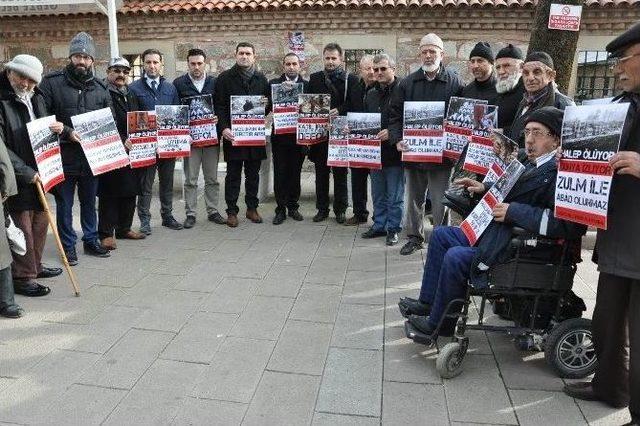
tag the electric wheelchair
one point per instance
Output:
(533, 290)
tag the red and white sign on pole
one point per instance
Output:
(564, 17)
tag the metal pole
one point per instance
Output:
(113, 28)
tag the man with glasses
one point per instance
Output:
(387, 184)
(69, 92)
(538, 77)
(117, 189)
(616, 317)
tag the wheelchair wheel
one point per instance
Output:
(449, 361)
(569, 349)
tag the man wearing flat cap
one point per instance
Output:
(616, 317)
(431, 82)
(509, 85)
(72, 91)
(117, 189)
(480, 65)
(538, 75)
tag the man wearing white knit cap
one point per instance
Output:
(432, 82)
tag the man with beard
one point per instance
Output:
(245, 80)
(346, 96)
(538, 76)
(196, 82)
(287, 155)
(118, 188)
(21, 102)
(70, 92)
(509, 86)
(432, 82)
(151, 90)
(359, 175)
(480, 65)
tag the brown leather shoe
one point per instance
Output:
(254, 216)
(131, 235)
(354, 220)
(109, 243)
(232, 220)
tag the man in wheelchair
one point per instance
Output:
(452, 262)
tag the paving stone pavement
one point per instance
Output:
(260, 325)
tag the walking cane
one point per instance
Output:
(54, 229)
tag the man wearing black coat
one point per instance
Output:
(117, 189)
(69, 92)
(509, 86)
(196, 82)
(21, 102)
(346, 96)
(287, 155)
(243, 79)
(480, 65)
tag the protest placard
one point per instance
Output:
(100, 140)
(142, 131)
(481, 215)
(590, 137)
(313, 118)
(505, 150)
(338, 154)
(422, 131)
(364, 144)
(174, 140)
(480, 154)
(46, 150)
(458, 125)
(285, 107)
(247, 121)
(202, 125)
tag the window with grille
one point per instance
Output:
(136, 66)
(352, 58)
(595, 79)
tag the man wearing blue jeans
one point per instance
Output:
(529, 205)
(387, 184)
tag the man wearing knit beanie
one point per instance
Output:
(480, 65)
(538, 76)
(509, 85)
(62, 91)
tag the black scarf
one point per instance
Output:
(246, 73)
(76, 78)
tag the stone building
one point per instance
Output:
(360, 26)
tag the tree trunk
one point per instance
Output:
(561, 45)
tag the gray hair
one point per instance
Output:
(366, 57)
(384, 57)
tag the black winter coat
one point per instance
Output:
(485, 90)
(125, 181)
(416, 87)
(14, 117)
(349, 100)
(65, 97)
(291, 138)
(230, 83)
(377, 99)
(508, 103)
(186, 88)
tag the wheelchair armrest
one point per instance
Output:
(522, 237)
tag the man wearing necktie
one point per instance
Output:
(151, 90)
(451, 261)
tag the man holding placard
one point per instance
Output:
(616, 317)
(21, 102)
(70, 92)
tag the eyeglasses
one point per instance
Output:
(381, 69)
(120, 71)
(535, 133)
(614, 62)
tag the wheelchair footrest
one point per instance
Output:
(418, 336)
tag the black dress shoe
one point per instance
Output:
(421, 323)
(295, 215)
(11, 311)
(217, 219)
(279, 218)
(409, 306)
(95, 249)
(392, 238)
(72, 256)
(171, 223)
(373, 233)
(340, 218)
(320, 216)
(49, 272)
(189, 222)
(581, 390)
(411, 246)
(30, 289)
